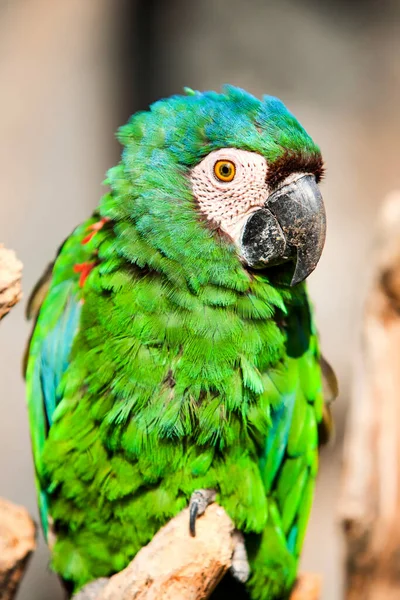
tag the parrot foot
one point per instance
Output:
(240, 568)
(199, 501)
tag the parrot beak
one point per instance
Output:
(291, 227)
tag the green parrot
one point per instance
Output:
(174, 358)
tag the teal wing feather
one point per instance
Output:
(55, 304)
(48, 361)
(290, 459)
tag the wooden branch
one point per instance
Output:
(370, 503)
(176, 566)
(10, 280)
(17, 541)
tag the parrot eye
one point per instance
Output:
(224, 170)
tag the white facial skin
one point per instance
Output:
(229, 204)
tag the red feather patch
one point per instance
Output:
(94, 228)
(84, 269)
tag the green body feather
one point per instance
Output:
(173, 368)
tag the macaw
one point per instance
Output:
(174, 357)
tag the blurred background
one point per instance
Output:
(72, 71)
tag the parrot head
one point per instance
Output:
(242, 168)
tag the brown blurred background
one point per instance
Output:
(71, 71)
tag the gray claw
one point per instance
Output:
(199, 501)
(240, 568)
(193, 512)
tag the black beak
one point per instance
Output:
(292, 226)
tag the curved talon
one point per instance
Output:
(193, 510)
(199, 501)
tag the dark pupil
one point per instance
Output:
(225, 169)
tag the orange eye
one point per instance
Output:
(224, 170)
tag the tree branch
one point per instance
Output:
(176, 566)
(10, 280)
(17, 541)
(370, 503)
